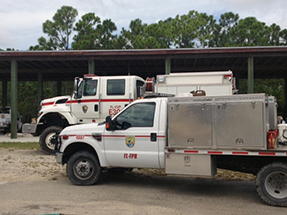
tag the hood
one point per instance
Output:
(83, 129)
(55, 100)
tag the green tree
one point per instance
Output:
(106, 39)
(59, 30)
(143, 36)
(283, 37)
(250, 32)
(222, 36)
(274, 35)
(134, 37)
(86, 35)
(193, 30)
(93, 34)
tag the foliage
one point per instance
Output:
(94, 34)
(274, 87)
(59, 30)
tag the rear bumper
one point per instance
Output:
(59, 157)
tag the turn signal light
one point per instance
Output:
(227, 76)
(65, 137)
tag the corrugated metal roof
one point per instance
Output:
(269, 62)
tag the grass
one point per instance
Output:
(19, 145)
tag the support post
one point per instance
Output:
(237, 80)
(92, 67)
(40, 87)
(285, 106)
(250, 75)
(14, 95)
(167, 66)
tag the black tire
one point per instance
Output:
(271, 183)
(45, 139)
(83, 168)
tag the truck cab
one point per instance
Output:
(134, 138)
(94, 98)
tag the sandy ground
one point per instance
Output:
(34, 165)
(33, 183)
(28, 165)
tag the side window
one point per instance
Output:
(138, 115)
(116, 87)
(90, 88)
(139, 84)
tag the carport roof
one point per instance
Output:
(269, 62)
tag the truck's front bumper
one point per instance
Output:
(29, 128)
(59, 157)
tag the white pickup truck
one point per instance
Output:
(191, 136)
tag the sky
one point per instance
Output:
(21, 20)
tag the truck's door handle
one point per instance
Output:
(153, 137)
(96, 108)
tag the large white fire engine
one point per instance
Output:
(190, 136)
(96, 97)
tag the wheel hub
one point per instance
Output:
(83, 169)
(48, 141)
(276, 184)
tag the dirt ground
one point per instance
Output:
(28, 176)
(28, 165)
(33, 165)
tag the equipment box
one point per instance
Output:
(195, 165)
(218, 122)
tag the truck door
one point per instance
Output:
(115, 95)
(86, 106)
(134, 143)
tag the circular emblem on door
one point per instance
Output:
(85, 108)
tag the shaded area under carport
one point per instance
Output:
(246, 63)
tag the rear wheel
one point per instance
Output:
(45, 139)
(271, 184)
(83, 168)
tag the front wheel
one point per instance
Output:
(45, 139)
(83, 168)
(271, 184)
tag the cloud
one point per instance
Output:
(21, 21)
(6, 39)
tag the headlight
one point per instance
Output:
(161, 79)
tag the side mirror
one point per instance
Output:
(76, 87)
(285, 133)
(110, 124)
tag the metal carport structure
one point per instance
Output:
(245, 62)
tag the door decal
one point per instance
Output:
(85, 108)
(130, 141)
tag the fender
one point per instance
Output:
(64, 115)
(72, 145)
